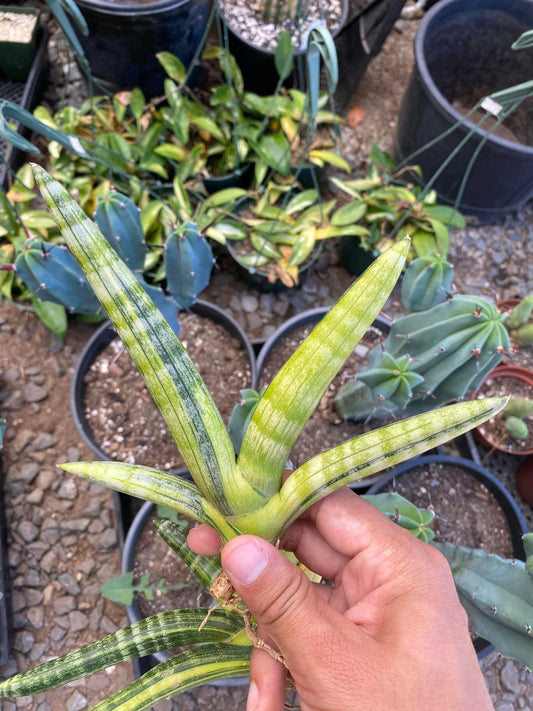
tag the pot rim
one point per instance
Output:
(106, 333)
(131, 8)
(435, 94)
(506, 370)
(296, 52)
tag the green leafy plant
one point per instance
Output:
(277, 234)
(392, 208)
(235, 495)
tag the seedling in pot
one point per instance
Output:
(243, 494)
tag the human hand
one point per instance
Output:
(391, 633)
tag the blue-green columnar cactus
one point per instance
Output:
(188, 264)
(118, 218)
(428, 358)
(53, 274)
(426, 282)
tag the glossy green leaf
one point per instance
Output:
(173, 66)
(283, 55)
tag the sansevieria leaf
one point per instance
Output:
(362, 456)
(166, 630)
(184, 671)
(172, 379)
(296, 390)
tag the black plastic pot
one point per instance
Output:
(366, 29)
(354, 256)
(6, 617)
(16, 58)
(134, 612)
(126, 507)
(515, 519)
(26, 95)
(257, 64)
(124, 38)
(312, 316)
(241, 177)
(463, 46)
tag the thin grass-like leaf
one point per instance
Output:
(157, 633)
(171, 377)
(362, 456)
(298, 387)
(182, 672)
(156, 486)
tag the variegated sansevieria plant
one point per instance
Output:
(235, 495)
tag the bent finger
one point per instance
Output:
(267, 682)
(204, 540)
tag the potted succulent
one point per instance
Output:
(510, 431)
(431, 356)
(230, 503)
(264, 37)
(471, 73)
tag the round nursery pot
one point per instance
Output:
(145, 552)
(524, 480)
(505, 380)
(463, 53)
(325, 428)
(241, 177)
(472, 508)
(116, 426)
(124, 38)
(257, 64)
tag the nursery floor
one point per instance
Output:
(62, 539)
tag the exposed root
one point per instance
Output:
(226, 595)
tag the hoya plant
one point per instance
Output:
(246, 494)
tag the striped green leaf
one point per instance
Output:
(176, 386)
(297, 388)
(156, 486)
(362, 456)
(158, 633)
(182, 672)
(206, 569)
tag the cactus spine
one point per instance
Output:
(450, 347)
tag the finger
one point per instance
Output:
(309, 546)
(204, 540)
(267, 683)
(286, 605)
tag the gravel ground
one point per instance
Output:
(62, 543)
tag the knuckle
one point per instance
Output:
(286, 600)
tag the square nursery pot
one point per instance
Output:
(26, 95)
(18, 40)
(6, 618)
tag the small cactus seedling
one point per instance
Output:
(515, 414)
(518, 322)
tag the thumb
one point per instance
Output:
(279, 595)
